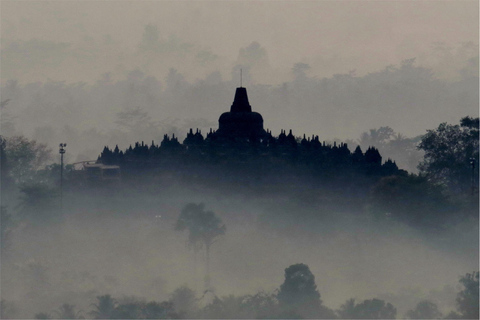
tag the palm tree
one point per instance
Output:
(204, 228)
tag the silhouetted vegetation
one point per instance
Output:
(368, 309)
(204, 228)
(450, 153)
(298, 294)
(468, 298)
(424, 310)
(297, 298)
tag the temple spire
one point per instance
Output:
(240, 102)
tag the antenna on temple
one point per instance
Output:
(240, 77)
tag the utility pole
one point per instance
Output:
(61, 151)
(472, 163)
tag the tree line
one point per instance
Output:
(296, 298)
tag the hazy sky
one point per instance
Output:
(117, 46)
(332, 36)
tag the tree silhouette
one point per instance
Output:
(424, 310)
(467, 299)
(368, 309)
(204, 228)
(67, 311)
(184, 301)
(7, 226)
(448, 150)
(298, 294)
(104, 308)
(42, 316)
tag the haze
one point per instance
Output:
(97, 73)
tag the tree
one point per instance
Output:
(24, 157)
(467, 299)
(104, 308)
(4, 168)
(204, 228)
(7, 226)
(67, 311)
(376, 137)
(128, 310)
(298, 294)
(138, 309)
(347, 310)
(424, 310)
(262, 305)
(368, 309)
(42, 316)
(184, 301)
(156, 310)
(448, 150)
(410, 199)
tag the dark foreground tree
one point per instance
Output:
(104, 308)
(204, 228)
(448, 153)
(184, 302)
(67, 311)
(259, 306)
(424, 310)
(42, 316)
(24, 157)
(368, 309)
(412, 200)
(299, 295)
(467, 299)
(144, 310)
(7, 226)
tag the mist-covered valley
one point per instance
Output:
(124, 244)
(358, 199)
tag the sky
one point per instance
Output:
(331, 36)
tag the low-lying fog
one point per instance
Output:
(124, 244)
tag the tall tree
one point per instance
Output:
(298, 295)
(449, 151)
(204, 229)
(24, 157)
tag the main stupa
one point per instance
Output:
(241, 121)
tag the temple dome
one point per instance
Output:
(241, 121)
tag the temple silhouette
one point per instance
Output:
(241, 121)
(242, 150)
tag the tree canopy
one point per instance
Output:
(299, 286)
(449, 151)
(203, 226)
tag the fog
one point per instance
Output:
(405, 97)
(125, 245)
(106, 73)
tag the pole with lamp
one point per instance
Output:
(61, 151)
(472, 164)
